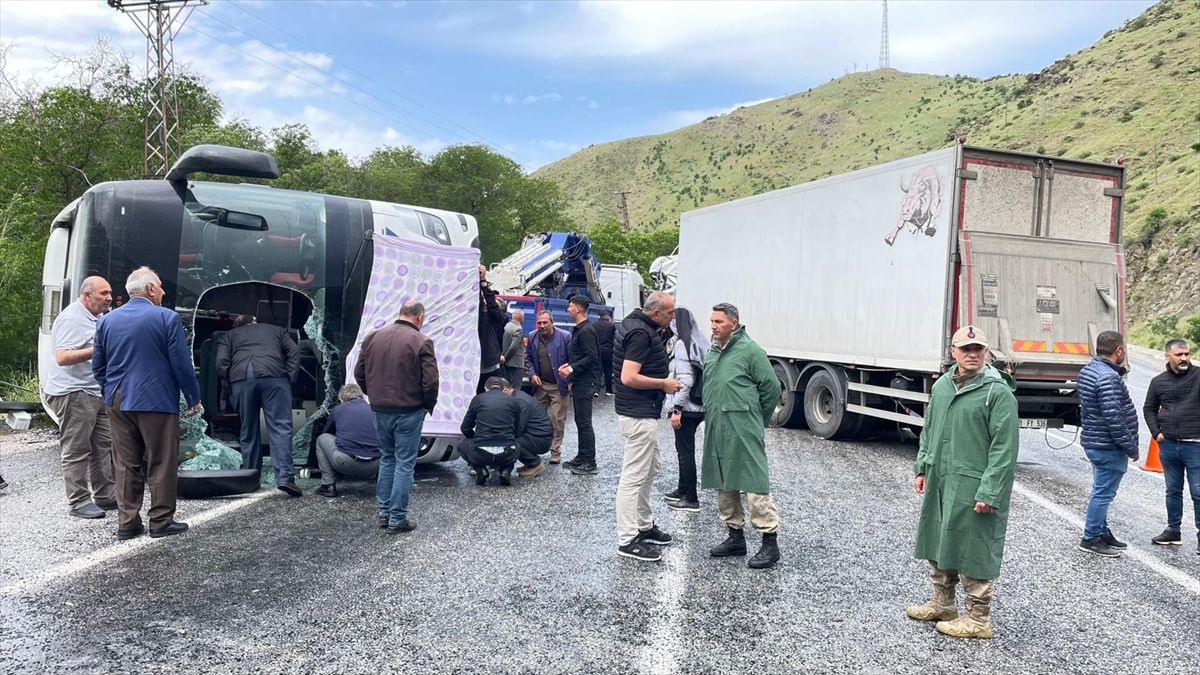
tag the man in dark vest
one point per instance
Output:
(641, 361)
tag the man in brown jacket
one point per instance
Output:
(398, 372)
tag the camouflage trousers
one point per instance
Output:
(979, 591)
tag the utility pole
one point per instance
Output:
(624, 208)
(884, 51)
(159, 21)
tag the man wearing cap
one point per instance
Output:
(965, 470)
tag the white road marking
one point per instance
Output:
(122, 549)
(1173, 574)
(658, 656)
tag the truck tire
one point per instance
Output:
(789, 412)
(825, 409)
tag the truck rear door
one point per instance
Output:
(1041, 267)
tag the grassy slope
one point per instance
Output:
(1134, 94)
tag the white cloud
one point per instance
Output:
(539, 98)
(788, 42)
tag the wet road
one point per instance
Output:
(525, 579)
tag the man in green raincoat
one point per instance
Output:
(965, 471)
(740, 393)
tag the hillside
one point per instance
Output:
(1135, 93)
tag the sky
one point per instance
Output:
(538, 81)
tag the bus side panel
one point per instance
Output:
(140, 227)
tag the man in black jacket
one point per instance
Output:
(492, 318)
(534, 435)
(583, 373)
(606, 333)
(1172, 413)
(259, 362)
(490, 430)
(643, 381)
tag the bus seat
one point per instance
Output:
(293, 279)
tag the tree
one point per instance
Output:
(473, 179)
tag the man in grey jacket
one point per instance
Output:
(512, 349)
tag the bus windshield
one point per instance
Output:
(240, 233)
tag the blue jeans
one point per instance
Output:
(272, 395)
(1108, 468)
(1177, 459)
(399, 440)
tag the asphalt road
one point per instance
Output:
(525, 579)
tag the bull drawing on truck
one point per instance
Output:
(921, 205)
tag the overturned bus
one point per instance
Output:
(300, 260)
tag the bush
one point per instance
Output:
(1156, 61)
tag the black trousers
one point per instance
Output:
(606, 366)
(581, 397)
(529, 447)
(685, 448)
(479, 459)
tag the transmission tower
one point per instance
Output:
(884, 52)
(160, 21)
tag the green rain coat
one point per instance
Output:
(740, 393)
(968, 454)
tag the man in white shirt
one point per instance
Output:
(74, 395)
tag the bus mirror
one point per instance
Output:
(239, 220)
(224, 160)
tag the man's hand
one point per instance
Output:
(501, 358)
(537, 381)
(1135, 456)
(192, 411)
(676, 419)
(981, 507)
(565, 370)
(919, 484)
(1159, 437)
(671, 385)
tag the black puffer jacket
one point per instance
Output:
(491, 328)
(1173, 405)
(639, 335)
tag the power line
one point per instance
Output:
(474, 135)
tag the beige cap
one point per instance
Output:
(968, 335)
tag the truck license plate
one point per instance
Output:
(1033, 424)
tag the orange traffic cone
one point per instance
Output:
(1152, 463)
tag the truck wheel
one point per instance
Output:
(824, 409)
(788, 412)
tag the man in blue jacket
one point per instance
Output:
(545, 351)
(140, 358)
(1110, 438)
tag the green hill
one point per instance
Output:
(1135, 93)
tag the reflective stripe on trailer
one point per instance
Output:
(1079, 348)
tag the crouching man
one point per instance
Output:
(490, 430)
(534, 433)
(965, 470)
(349, 448)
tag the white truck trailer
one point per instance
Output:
(853, 284)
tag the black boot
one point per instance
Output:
(481, 475)
(734, 544)
(768, 555)
(505, 475)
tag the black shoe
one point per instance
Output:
(481, 476)
(768, 555)
(654, 536)
(382, 521)
(3, 483)
(505, 475)
(327, 490)
(106, 504)
(124, 533)
(87, 510)
(1096, 546)
(674, 495)
(734, 544)
(291, 489)
(584, 469)
(1169, 537)
(404, 526)
(572, 463)
(639, 551)
(690, 504)
(175, 527)
(1113, 541)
